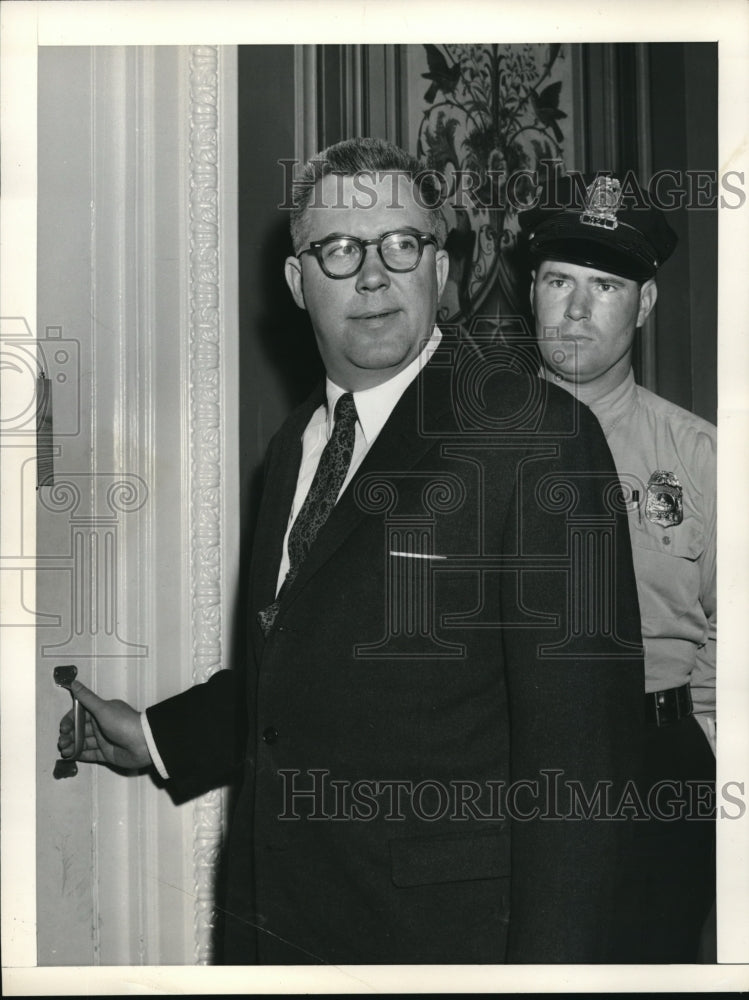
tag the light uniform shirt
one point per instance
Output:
(674, 564)
(373, 407)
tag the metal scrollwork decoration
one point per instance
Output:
(492, 116)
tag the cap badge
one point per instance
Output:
(664, 505)
(602, 200)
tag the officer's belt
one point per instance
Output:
(668, 706)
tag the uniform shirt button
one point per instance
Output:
(666, 540)
(270, 735)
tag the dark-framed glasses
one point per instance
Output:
(342, 256)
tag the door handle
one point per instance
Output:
(67, 768)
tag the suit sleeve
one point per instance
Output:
(576, 702)
(200, 734)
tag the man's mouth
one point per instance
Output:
(375, 314)
(374, 319)
(574, 335)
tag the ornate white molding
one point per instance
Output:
(205, 398)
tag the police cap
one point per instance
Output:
(586, 224)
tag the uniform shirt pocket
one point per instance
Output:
(666, 562)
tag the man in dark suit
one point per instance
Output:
(444, 690)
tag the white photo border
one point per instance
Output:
(24, 26)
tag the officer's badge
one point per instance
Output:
(602, 201)
(664, 504)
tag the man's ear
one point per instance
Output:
(292, 271)
(532, 289)
(442, 263)
(648, 296)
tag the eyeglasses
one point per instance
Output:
(343, 256)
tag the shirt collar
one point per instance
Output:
(610, 409)
(374, 406)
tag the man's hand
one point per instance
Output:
(114, 734)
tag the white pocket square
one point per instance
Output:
(417, 555)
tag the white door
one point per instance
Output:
(137, 529)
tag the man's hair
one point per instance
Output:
(371, 156)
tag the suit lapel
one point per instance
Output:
(277, 498)
(399, 447)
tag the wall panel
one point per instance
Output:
(138, 529)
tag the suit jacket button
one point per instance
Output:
(270, 735)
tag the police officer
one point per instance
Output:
(594, 264)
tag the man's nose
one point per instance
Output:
(373, 273)
(578, 304)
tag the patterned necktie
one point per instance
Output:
(331, 471)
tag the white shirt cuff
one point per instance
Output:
(158, 763)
